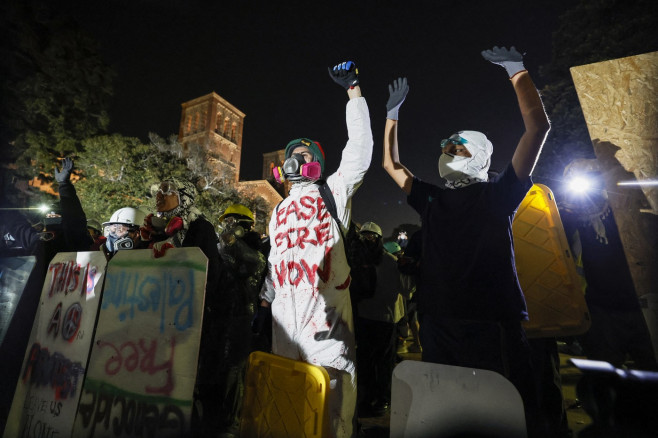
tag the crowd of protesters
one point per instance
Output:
(330, 292)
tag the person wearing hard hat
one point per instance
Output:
(393, 248)
(95, 230)
(308, 282)
(239, 248)
(122, 230)
(470, 302)
(377, 314)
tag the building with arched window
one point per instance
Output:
(217, 125)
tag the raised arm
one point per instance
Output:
(532, 110)
(391, 159)
(346, 75)
(357, 154)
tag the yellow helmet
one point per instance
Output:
(237, 209)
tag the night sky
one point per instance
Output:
(270, 60)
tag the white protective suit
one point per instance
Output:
(308, 280)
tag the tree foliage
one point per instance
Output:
(216, 190)
(119, 172)
(55, 88)
(592, 31)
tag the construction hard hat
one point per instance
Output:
(127, 215)
(392, 247)
(239, 210)
(371, 227)
(93, 223)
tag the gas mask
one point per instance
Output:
(118, 238)
(115, 244)
(231, 225)
(296, 168)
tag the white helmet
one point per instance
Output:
(371, 227)
(127, 215)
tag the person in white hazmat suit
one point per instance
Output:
(308, 280)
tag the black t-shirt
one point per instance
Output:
(467, 267)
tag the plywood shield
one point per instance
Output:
(143, 364)
(46, 397)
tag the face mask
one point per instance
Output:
(453, 168)
(296, 168)
(115, 244)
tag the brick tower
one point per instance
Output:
(215, 124)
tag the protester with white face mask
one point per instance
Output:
(469, 299)
(465, 159)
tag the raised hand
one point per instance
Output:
(510, 59)
(64, 175)
(345, 74)
(397, 93)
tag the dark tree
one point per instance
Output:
(592, 31)
(55, 88)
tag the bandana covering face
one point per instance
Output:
(463, 171)
(186, 210)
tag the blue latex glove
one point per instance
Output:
(64, 175)
(345, 74)
(397, 93)
(510, 59)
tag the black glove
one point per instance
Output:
(345, 74)
(261, 319)
(64, 175)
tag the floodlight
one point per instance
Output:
(579, 184)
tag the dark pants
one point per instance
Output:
(375, 359)
(225, 347)
(496, 346)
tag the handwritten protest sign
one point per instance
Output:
(46, 397)
(143, 362)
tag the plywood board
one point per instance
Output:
(143, 364)
(619, 99)
(46, 397)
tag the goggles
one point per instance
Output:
(454, 139)
(229, 221)
(367, 235)
(118, 230)
(166, 188)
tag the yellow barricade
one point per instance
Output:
(284, 398)
(546, 269)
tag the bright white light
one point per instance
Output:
(43, 208)
(579, 184)
(646, 182)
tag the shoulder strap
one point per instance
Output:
(329, 202)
